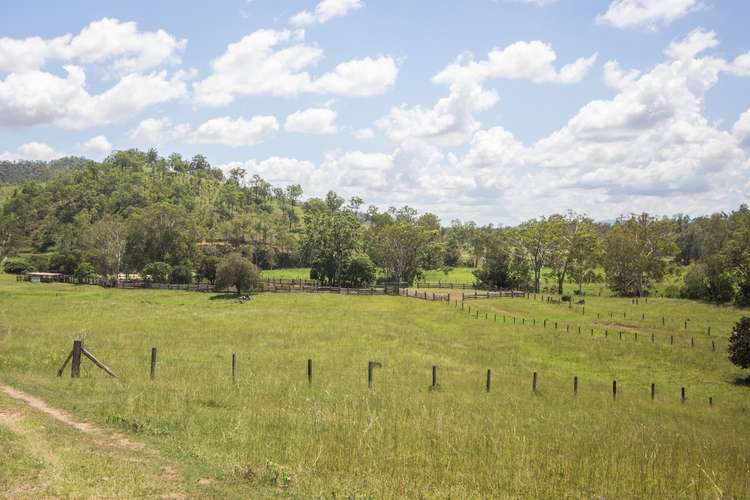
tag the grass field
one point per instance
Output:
(274, 435)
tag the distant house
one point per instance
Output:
(38, 277)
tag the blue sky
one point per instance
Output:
(495, 110)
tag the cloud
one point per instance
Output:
(450, 122)
(742, 129)
(359, 77)
(279, 62)
(649, 14)
(364, 134)
(533, 61)
(312, 121)
(97, 146)
(279, 171)
(39, 98)
(235, 132)
(696, 42)
(157, 131)
(34, 151)
(108, 39)
(325, 11)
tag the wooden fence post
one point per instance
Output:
(309, 371)
(234, 368)
(653, 391)
(713, 346)
(533, 383)
(682, 395)
(575, 386)
(434, 376)
(369, 374)
(75, 367)
(153, 363)
(489, 379)
(614, 389)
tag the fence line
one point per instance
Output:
(234, 368)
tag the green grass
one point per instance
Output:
(290, 273)
(455, 275)
(273, 435)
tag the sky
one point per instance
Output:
(492, 110)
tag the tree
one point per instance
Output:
(331, 238)
(360, 272)
(161, 232)
(207, 268)
(503, 265)
(739, 343)
(402, 245)
(737, 253)
(106, 241)
(182, 275)
(637, 249)
(158, 272)
(534, 238)
(238, 272)
(84, 271)
(585, 253)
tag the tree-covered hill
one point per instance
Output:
(16, 172)
(177, 219)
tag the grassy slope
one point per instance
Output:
(273, 434)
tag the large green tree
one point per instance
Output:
(637, 251)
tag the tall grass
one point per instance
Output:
(273, 433)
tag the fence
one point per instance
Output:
(79, 351)
(273, 285)
(441, 297)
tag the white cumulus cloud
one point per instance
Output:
(312, 121)
(280, 61)
(98, 146)
(325, 11)
(235, 132)
(650, 14)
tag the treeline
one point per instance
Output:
(177, 219)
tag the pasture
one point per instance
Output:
(275, 434)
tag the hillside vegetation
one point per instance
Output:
(176, 220)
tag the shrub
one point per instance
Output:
(565, 298)
(17, 266)
(84, 271)
(207, 268)
(739, 343)
(65, 263)
(158, 272)
(360, 271)
(181, 275)
(40, 262)
(238, 272)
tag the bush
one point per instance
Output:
(158, 272)
(739, 343)
(65, 263)
(360, 272)
(181, 275)
(40, 262)
(238, 272)
(17, 266)
(700, 284)
(84, 271)
(207, 268)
